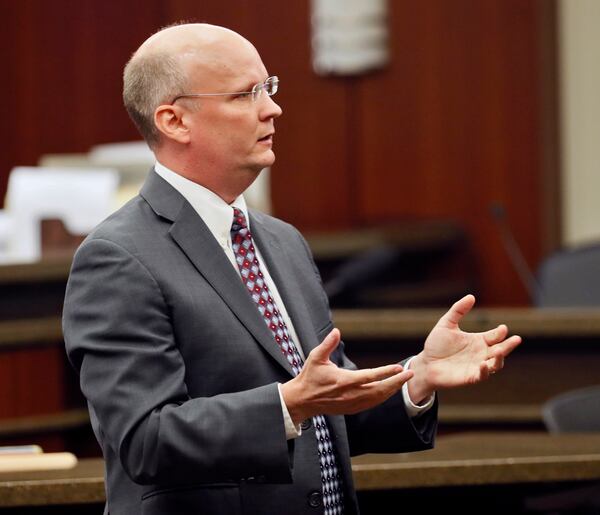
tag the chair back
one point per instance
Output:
(573, 411)
(570, 278)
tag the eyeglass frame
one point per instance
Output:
(256, 91)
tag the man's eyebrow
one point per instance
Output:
(247, 87)
(249, 84)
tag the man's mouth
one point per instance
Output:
(268, 137)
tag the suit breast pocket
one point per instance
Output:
(215, 499)
(324, 331)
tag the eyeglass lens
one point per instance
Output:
(270, 86)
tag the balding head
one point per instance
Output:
(170, 61)
(188, 39)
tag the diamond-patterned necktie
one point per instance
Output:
(253, 278)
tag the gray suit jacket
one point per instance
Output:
(180, 371)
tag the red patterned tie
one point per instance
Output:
(253, 278)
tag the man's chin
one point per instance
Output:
(266, 160)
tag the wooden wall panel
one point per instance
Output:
(450, 126)
(33, 382)
(65, 61)
(453, 126)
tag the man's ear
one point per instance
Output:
(171, 122)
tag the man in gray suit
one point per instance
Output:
(215, 379)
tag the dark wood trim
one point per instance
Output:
(39, 424)
(20, 334)
(367, 325)
(550, 134)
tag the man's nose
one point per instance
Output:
(269, 108)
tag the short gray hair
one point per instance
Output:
(150, 80)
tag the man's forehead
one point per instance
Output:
(207, 49)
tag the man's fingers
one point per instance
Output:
(495, 335)
(384, 389)
(505, 347)
(370, 375)
(484, 370)
(497, 354)
(458, 310)
(396, 381)
(495, 364)
(322, 351)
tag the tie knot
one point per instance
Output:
(239, 220)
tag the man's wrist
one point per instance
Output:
(290, 399)
(419, 389)
(415, 410)
(291, 430)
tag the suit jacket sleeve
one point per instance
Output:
(119, 337)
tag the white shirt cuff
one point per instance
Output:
(413, 409)
(291, 431)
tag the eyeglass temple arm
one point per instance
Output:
(212, 94)
(195, 95)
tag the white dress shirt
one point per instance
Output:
(218, 217)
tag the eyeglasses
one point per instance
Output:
(269, 86)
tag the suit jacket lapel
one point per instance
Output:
(285, 277)
(195, 239)
(278, 261)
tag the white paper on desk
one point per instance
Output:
(44, 461)
(81, 198)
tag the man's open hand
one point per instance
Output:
(452, 357)
(324, 388)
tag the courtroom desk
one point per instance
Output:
(560, 351)
(414, 236)
(465, 459)
(528, 462)
(83, 484)
(474, 473)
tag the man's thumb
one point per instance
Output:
(322, 351)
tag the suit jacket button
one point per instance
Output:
(306, 424)
(315, 499)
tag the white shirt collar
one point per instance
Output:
(214, 211)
